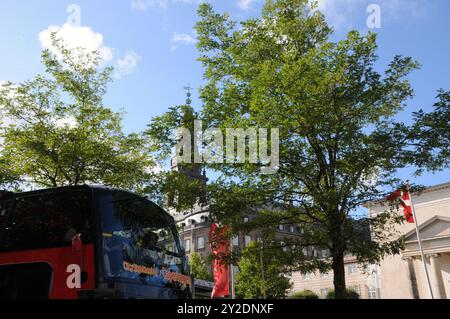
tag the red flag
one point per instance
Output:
(220, 248)
(392, 197)
(405, 202)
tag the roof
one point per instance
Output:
(74, 187)
(427, 189)
(82, 187)
(412, 234)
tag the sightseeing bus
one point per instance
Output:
(88, 242)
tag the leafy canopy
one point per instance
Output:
(341, 142)
(59, 131)
(198, 267)
(261, 275)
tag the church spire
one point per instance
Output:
(194, 171)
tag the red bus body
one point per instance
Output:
(58, 259)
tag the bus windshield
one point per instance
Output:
(139, 240)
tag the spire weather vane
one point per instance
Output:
(189, 94)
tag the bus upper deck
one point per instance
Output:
(88, 242)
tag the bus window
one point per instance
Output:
(48, 220)
(5, 213)
(139, 240)
(25, 281)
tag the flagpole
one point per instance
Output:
(419, 240)
(233, 294)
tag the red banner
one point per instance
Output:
(219, 239)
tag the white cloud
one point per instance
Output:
(182, 38)
(337, 12)
(76, 37)
(245, 4)
(84, 37)
(128, 64)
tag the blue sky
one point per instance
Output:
(152, 45)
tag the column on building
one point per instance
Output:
(412, 277)
(435, 276)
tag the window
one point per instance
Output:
(291, 229)
(25, 281)
(352, 268)
(187, 245)
(136, 231)
(280, 227)
(371, 292)
(316, 253)
(235, 240)
(5, 211)
(247, 240)
(305, 252)
(324, 253)
(324, 293)
(201, 243)
(49, 220)
(324, 275)
(246, 219)
(306, 276)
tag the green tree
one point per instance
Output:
(433, 129)
(198, 267)
(305, 294)
(340, 142)
(350, 294)
(7, 180)
(261, 275)
(62, 134)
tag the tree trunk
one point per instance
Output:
(339, 276)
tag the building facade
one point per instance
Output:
(362, 281)
(194, 227)
(403, 276)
